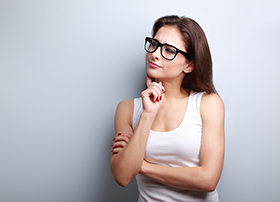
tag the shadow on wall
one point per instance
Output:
(111, 191)
(114, 192)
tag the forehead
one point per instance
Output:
(170, 35)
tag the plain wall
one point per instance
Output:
(65, 65)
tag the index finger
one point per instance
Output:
(148, 80)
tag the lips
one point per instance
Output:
(154, 65)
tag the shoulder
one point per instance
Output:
(125, 106)
(211, 99)
(123, 117)
(211, 105)
(125, 110)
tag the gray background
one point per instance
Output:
(65, 65)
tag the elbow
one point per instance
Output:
(208, 181)
(122, 182)
(210, 185)
(120, 178)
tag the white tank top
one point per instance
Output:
(177, 148)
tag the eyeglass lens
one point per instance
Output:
(167, 51)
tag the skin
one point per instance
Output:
(164, 105)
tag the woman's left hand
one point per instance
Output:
(144, 165)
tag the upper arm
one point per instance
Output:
(123, 119)
(213, 135)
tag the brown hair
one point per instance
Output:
(200, 79)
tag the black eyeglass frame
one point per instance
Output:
(187, 55)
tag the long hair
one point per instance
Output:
(200, 79)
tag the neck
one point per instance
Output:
(173, 90)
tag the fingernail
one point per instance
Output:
(114, 139)
(119, 133)
(162, 91)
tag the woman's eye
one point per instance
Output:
(170, 50)
(153, 44)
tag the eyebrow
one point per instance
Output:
(168, 44)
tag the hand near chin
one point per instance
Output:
(153, 96)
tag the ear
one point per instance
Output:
(188, 68)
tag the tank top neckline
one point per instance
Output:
(180, 125)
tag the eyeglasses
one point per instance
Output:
(167, 51)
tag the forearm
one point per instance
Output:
(187, 178)
(127, 163)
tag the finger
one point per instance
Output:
(148, 80)
(162, 97)
(154, 91)
(158, 89)
(121, 138)
(159, 86)
(154, 94)
(124, 134)
(116, 150)
(119, 144)
(162, 88)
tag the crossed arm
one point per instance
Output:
(128, 153)
(128, 161)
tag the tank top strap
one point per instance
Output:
(192, 114)
(137, 111)
(195, 100)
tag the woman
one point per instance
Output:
(172, 138)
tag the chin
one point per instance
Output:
(153, 76)
(150, 72)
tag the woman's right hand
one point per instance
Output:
(153, 96)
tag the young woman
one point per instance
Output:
(172, 138)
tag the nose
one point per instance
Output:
(156, 55)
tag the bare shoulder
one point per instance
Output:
(123, 117)
(125, 106)
(211, 105)
(211, 99)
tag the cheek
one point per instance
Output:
(176, 67)
(148, 56)
(182, 63)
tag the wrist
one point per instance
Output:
(143, 169)
(149, 116)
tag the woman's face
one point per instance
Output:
(162, 69)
